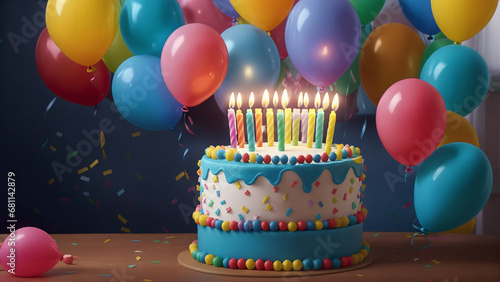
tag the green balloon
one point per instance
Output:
(367, 9)
(433, 47)
(282, 75)
(440, 35)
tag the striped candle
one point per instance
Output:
(296, 126)
(331, 125)
(232, 128)
(320, 121)
(310, 127)
(270, 127)
(258, 127)
(281, 130)
(239, 122)
(288, 126)
(250, 131)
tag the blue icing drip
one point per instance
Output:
(249, 172)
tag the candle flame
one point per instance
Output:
(317, 100)
(284, 99)
(251, 100)
(231, 101)
(275, 99)
(335, 103)
(301, 100)
(265, 99)
(306, 100)
(238, 100)
(326, 101)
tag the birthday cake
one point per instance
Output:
(298, 209)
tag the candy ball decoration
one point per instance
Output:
(452, 186)
(322, 39)
(35, 252)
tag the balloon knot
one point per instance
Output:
(67, 259)
(409, 170)
(90, 69)
(185, 109)
(457, 43)
(424, 231)
(321, 89)
(430, 37)
(235, 20)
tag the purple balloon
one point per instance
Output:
(227, 8)
(322, 39)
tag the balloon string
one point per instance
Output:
(421, 231)
(345, 107)
(44, 121)
(92, 70)
(187, 123)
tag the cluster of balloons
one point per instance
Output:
(422, 96)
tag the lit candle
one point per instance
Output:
(232, 122)
(296, 126)
(310, 127)
(258, 127)
(303, 116)
(250, 125)
(320, 121)
(239, 121)
(269, 119)
(331, 124)
(288, 118)
(281, 130)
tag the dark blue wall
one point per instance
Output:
(145, 167)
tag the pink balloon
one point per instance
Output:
(411, 120)
(278, 36)
(34, 252)
(205, 12)
(194, 63)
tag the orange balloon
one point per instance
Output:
(464, 229)
(458, 129)
(264, 14)
(392, 52)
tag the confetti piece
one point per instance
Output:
(86, 193)
(138, 258)
(103, 140)
(187, 175)
(353, 205)
(215, 179)
(124, 229)
(106, 172)
(223, 202)
(289, 212)
(241, 216)
(191, 188)
(320, 204)
(131, 265)
(284, 197)
(71, 272)
(138, 176)
(428, 265)
(345, 196)
(268, 207)
(218, 193)
(107, 183)
(59, 134)
(166, 242)
(350, 190)
(244, 209)
(197, 188)
(72, 154)
(334, 191)
(364, 186)
(294, 183)
(51, 181)
(119, 193)
(179, 176)
(335, 210)
(136, 134)
(376, 234)
(275, 188)
(156, 241)
(311, 203)
(265, 199)
(334, 200)
(64, 199)
(247, 192)
(103, 154)
(165, 229)
(217, 212)
(352, 180)
(360, 275)
(317, 183)
(122, 219)
(74, 244)
(106, 275)
(228, 209)
(393, 215)
(435, 261)
(211, 203)
(415, 259)
(174, 201)
(107, 240)
(135, 240)
(407, 205)
(238, 185)
(318, 216)
(52, 148)
(363, 176)
(137, 251)
(85, 178)
(82, 170)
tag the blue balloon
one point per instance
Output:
(419, 13)
(141, 96)
(227, 8)
(146, 24)
(461, 76)
(322, 39)
(254, 63)
(452, 186)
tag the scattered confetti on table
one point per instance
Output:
(155, 261)
(107, 240)
(138, 258)
(52, 180)
(74, 244)
(435, 261)
(376, 234)
(132, 265)
(136, 134)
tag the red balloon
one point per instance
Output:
(205, 12)
(194, 63)
(67, 79)
(411, 120)
(35, 252)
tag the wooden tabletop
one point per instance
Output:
(153, 257)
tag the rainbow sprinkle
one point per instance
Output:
(265, 199)
(238, 185)
(289, 212)
(217, 212)
(334, 200)
(284, 197)
(244, 209)
(269, 207)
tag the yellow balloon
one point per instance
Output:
(264, 14)
(83, 30)
(458, 129)
(460, 20)
(467, 228)
(118, 52)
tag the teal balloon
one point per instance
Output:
(452, 186)
(433, 47)
(461, 76)
(141, 96)
(254, 64)
(146, 24)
